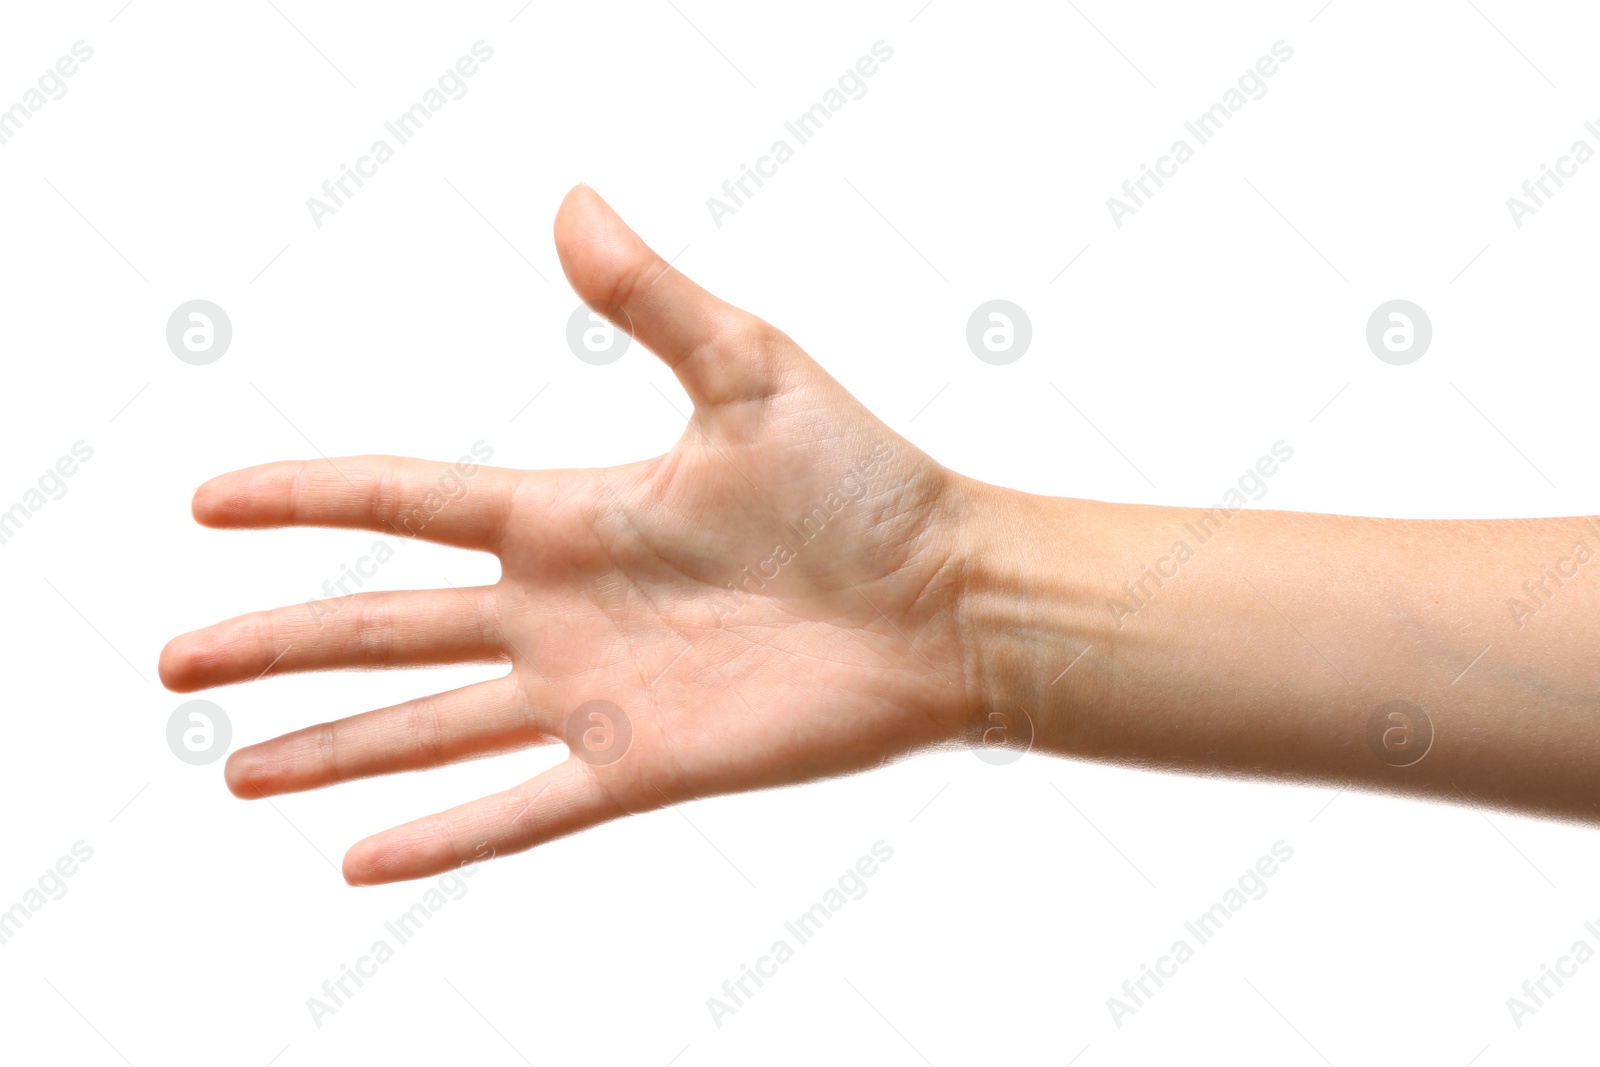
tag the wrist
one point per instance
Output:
(1032, 614)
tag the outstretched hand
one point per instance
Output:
(775, 599)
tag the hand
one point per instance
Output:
(775, 599)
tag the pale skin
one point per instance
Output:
(919, 609)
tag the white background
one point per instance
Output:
(1224, 316)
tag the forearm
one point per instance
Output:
(1264, 643)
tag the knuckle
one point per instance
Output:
(373, 627)
(524, 712)
(425, 728)
(630, 281)
(293, 492)
(386, 499)
(325, 743)
(264, 633)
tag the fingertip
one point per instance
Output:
(352, 869)
(175, 668)
(371, 862)
(218, 501)
(202, 504)
(242, 774)
(579, 202)
(586, 235)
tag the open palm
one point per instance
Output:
(773, 600)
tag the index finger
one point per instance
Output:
(463, 504)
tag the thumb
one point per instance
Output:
(719, 353)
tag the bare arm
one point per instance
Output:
(795, 591)
(1451, 659)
